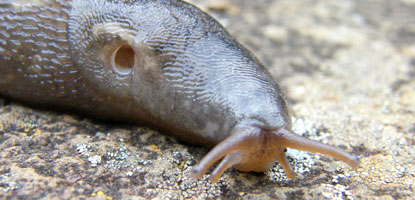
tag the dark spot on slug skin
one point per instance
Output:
(164, 64)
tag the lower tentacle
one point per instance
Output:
(240, 139)
(283, 161)
(227, 162)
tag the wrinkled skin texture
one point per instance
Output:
(164, 64)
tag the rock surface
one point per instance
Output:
(348, 70)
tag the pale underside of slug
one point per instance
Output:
(160, 63)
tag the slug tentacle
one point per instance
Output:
(256, 149)
(240, 140)
(285, 138)
(227, 162)
(283, 161)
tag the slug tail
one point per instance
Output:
(285, 138)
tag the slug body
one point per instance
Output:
(161, 63)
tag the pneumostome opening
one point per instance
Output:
(123, 59)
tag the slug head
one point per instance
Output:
(174, 62)
(180, 66)
(255, 149)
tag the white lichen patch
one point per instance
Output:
(7, 184)
(94, 160)
(123, 159)
(85, 150)
(308, 128)
(82, 148)
(300, 161)
(336, 192)
(176, 182)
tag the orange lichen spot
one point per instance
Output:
(37, 132)
(101, 194)
(154, 148)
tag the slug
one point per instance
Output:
(160, 63)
